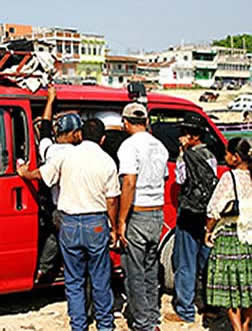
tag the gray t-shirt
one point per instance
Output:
(145, 156)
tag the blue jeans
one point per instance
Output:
(84, 241)
(141, 264)
(189, 257)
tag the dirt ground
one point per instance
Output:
(46, 310)
(225, 96)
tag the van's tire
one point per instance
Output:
(166, 269)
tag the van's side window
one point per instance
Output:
(20, 135)
(165, 125)
(14, 143)
(4, 159)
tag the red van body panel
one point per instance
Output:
(18, 215)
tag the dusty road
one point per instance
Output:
(46, 310)
(225, 96)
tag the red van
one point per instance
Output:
(19, 199)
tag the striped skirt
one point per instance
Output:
(229, 281)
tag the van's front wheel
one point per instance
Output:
(166, 270)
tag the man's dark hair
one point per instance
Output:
(136, 121)
(93, 129)
(193, 132)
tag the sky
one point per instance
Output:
(137, 25)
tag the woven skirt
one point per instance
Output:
(229, 281)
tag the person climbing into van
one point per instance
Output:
(196, 169)
(68, 132)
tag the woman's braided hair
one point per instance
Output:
(243, 148)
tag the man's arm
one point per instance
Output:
(49, 172)
(24, 172)
(46, 124)
(112, 209)
(47, 114)
(126, 199)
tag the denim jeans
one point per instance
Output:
(189, 257)
(140, 261)
(84, 241)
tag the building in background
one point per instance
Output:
(176, 74)
(201, 65)
(83, 58)
(119, 70)
(92, 57)
(78, 55)
(13, 31)
(232, 65)
(149, 74)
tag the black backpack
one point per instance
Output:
(200, 181)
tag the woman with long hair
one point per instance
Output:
(229, 282)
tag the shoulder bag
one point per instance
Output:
(232, 207)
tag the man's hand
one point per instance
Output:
(24, 172)
(23, 169)
(184, 141)
(51, 94)
(113, 239)
(208, 240)
(121, 232)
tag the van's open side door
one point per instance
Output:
(18, 198)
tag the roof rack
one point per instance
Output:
(27, 69)
(7, 60)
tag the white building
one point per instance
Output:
(200, 65)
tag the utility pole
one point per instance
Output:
(232, 44)
(244, 44)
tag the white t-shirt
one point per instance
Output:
(47, 150)
(144, 155)
(87, 176)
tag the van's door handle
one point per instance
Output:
(19, 205)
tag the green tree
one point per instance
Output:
(239, 41)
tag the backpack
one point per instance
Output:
(200, 181)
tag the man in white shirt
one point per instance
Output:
(88, 198)
(143, 168)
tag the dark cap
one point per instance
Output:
(68, 122)
(194, 121)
